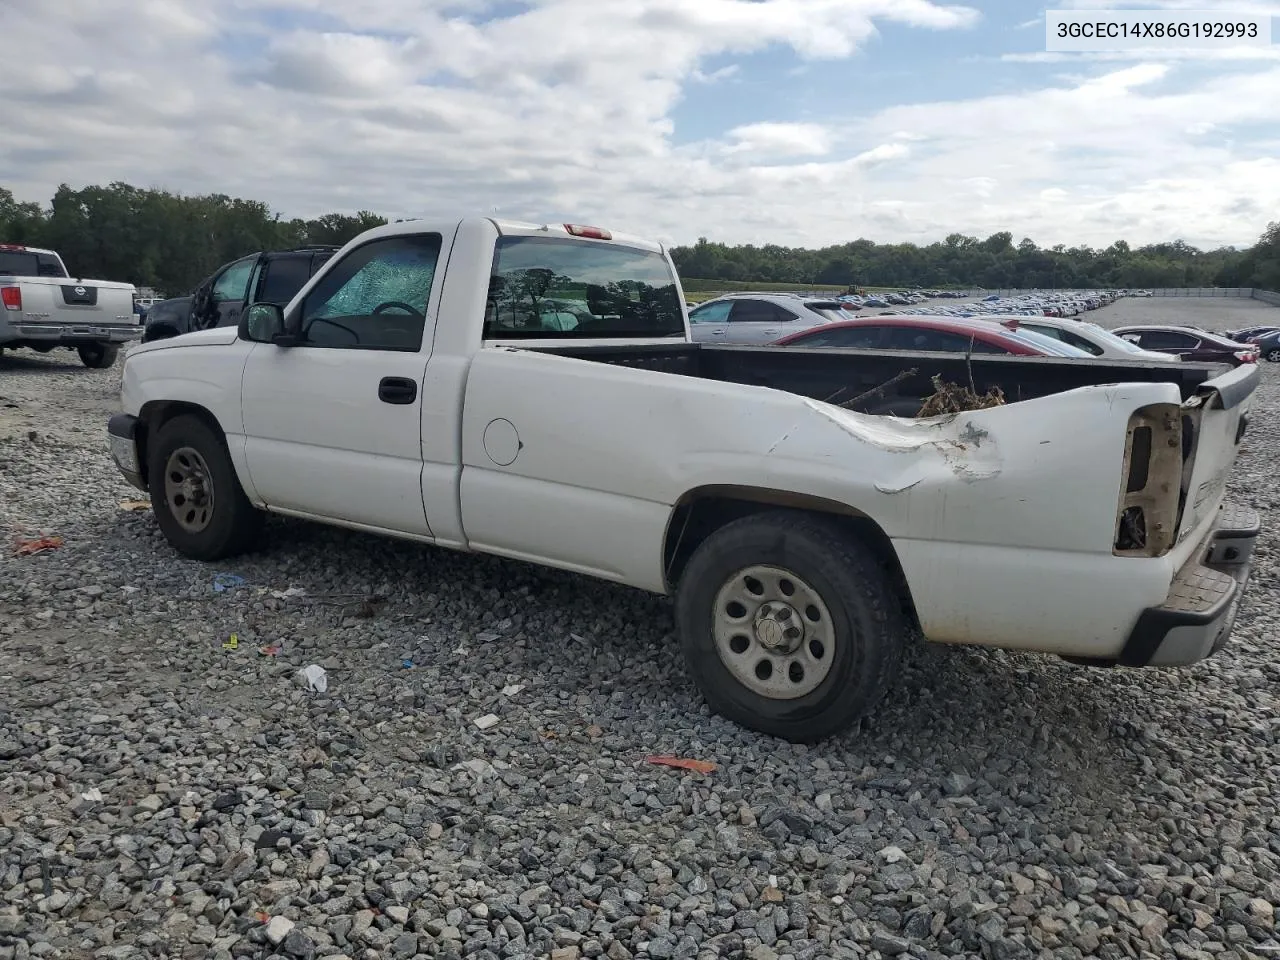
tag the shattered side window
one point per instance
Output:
(376, 297)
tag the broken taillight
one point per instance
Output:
(11, 297)
(1147, 517)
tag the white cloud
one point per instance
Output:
(564, 110)
(779, 139)
(723, 73)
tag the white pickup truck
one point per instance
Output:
(43, 307)
(532, 392)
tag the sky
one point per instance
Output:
(796, 122)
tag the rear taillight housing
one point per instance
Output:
(11, 297)
(1247, 356)
(592, 233)
(1148, 514)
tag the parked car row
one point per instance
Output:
(1265, 338)
(1038, 327)
(1027, 305)
(1016, 336)
(902, 298)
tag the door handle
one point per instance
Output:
(399, 390)
(717, 333)
(771, 332)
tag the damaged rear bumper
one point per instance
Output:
(1197, 617)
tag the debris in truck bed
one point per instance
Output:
(853, 402)
(953, 398)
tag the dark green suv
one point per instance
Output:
(267, 277)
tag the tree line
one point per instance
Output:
(167, 241)
(158, 239)
(994, 263)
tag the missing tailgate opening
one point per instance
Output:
(1150, 500)
(1139, 459)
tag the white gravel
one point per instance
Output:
(163, 795)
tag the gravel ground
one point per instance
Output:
(163, 795)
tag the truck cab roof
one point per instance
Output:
(515, 228)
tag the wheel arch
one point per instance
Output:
(702, 511)
(154, 414)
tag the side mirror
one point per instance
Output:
(264, 323)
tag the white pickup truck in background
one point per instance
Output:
(42, 307)
(532, 392)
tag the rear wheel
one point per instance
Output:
(197, 498)
(1273, 355)
(97, 356)
(789, 626)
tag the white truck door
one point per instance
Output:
(333, 425)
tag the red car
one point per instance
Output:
(941, 334)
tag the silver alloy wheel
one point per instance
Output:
(1273, 355)
(773, 632)
(188, 489)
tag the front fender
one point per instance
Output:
(203, 379)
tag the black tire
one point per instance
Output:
(233, 523)
(867, 623)
(98, 356)
(1273, 355)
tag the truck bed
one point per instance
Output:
(840, 375)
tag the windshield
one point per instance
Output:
(828, 312)
(1120, 343)
(1054, 348)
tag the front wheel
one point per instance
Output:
(195, 493)
(98, 356)
(789, 626)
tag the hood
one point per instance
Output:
(215, 337)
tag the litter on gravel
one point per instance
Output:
(683, 763)
(315, 677)
(29, 548)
